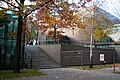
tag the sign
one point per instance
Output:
(101, 57)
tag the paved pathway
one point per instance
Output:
(75, 74)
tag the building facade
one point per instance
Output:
(8, 29)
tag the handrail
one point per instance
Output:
(26, 53)
(71, 51)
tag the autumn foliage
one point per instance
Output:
(60, 15)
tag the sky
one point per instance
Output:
(111, 6)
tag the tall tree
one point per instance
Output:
(48, 7)
(96, 22)
(60, 15)
(22, 11)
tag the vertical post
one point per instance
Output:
(82, 59)
(31, 63)
(113, 61)
(24, 56)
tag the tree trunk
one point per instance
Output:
(91, 51)
(19, 39)
(18, 45)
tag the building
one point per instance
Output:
(8, 29)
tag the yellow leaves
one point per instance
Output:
(98, 34)
(38, 3)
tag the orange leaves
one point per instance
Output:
(58, 34)
(50, 33)
(40, 14)
(60, 15)
(2, 13)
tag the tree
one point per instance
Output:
(48, 7)
(22, 11)
(61, 15)
(88, 17)
(96, 22)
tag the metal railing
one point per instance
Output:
(48, 42)
(28, 56)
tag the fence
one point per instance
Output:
(81, 57)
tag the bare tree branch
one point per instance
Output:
(37, 8)
(9, 9)
(9, 3)
(17, 2)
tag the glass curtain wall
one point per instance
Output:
(8, 29)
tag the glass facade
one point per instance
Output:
(8, 29)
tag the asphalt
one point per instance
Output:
(74, 74)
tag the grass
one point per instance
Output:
(24, 73)
(87, 67)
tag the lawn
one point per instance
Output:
(24, 73)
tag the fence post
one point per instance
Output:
(31, 63)
(81, 58)
(113, 61)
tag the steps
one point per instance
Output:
(40, 59)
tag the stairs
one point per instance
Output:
(40, 59)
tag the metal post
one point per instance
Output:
(113, 61)
(81, 59)
(31, 63)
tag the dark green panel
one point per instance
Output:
(7, 44)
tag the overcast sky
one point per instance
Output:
(111, 6)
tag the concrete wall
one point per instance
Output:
(76, 55)
(53, 51)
